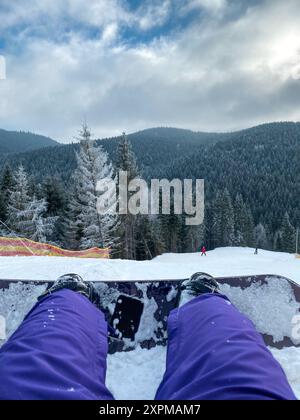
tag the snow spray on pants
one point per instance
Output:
(58, 353)
(214, 352)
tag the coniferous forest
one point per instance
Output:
(252, 189)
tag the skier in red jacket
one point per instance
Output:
(203, 251)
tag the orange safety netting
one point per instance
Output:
(11, 247)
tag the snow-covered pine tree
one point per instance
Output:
(6, 186)
(171, 229)
(53, 192)
(19, 217)
(243, 223)
(249, 228)
(55, 196)
(240, 215)
(195, 237)
(126, 158)
(277, 239)
(26, 214)
(126, 161)
(146, 247)
(216, 224)
(158, 243)
(94, 229)
(70, 229)
(223, 220)
(228, 220)
(206, 237)
(288, 235)
(42, 226)
(260, 236)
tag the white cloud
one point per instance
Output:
(16, 12)
(212, 6)
(216, 75)
(152, 14)
(110, 32)
(98, 12)
(2, 68)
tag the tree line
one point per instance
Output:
(65, 214)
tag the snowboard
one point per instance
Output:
(137, 311)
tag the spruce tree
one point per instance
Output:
(53, 192)
(41, 226)
(260, 236)
(174, 229)
(217, 221)
(93, 229)
(159, 246)
(27, 215)
(70, 230)
(223, 220)
(243, 223)
(249, 228)
(240, 217)
(55, 196)
(288, 236)
(145, 239)
(19, 218)
(128, 223)
(207, 238)
(228, 220)
(6, 186)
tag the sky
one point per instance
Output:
(127, 65)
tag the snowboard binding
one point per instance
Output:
(200, 283)
(75, 283)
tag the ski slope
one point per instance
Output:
(137, 374)
(220, 262)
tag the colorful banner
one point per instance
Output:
(12, 247)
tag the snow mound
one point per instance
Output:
(16, 302)
(270, 306)
(136, 375)
(289, 359)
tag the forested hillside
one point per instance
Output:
(252, 187)
(18, 141)
(154, 149)
(262, 164)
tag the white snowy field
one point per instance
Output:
(137, 374)
(220, 262)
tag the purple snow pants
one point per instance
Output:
(58, 353)
(214, 352)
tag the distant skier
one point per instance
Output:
(214, 352)
(256, 251)
(203, 251)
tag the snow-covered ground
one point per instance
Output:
(137, 374)
(220, 262)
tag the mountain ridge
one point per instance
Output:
(35, 141)
(20, 141)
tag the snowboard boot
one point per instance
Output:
(75, 283)
(198, 284)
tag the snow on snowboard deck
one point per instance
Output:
(138, 311)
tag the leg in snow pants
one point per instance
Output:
(58, 353)
(214, 352)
